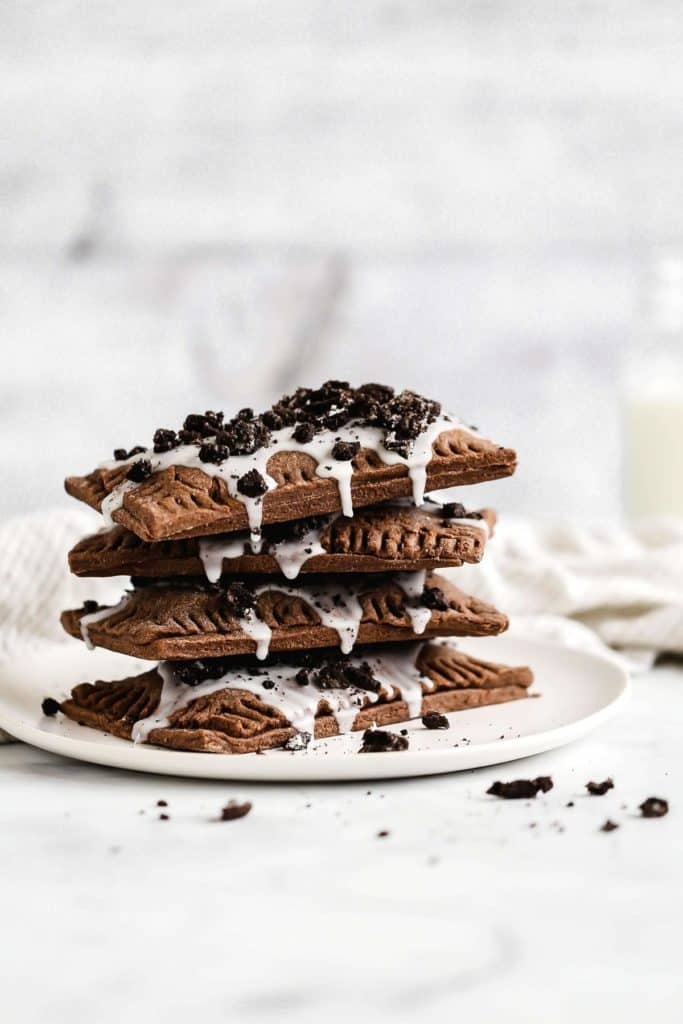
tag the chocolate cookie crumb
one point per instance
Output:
(304, 433)
(376, 741)
(50, 707)
(164, 817)
(238, 599)
(234, 810)
(654, 807)
(90, 606)
(165, 440)
(609, 826)
(599, 788)
(434, 598)
(383, 833)
(435, 720)
(344, 451)
(120, 454)
(570, 804)
(453, 510)
(268, 684)
(299, 741)
(214, 453)
(521, 789)
(162, 803)
(139, 471)
(252, 484)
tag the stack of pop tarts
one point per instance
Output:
(285, 578)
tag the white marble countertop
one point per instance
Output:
(300, 911)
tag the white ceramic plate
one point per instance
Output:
(577, 691)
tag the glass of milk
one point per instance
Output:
(652, 398)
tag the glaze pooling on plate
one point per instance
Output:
(319, 448)
(395, 672)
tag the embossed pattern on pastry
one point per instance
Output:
(184, 501)
(386, 538)
(172, 621)
(239, 721)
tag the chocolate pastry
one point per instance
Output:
(170, 620)
(367, 446)
(386, 538)
(234, 714)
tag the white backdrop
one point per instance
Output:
(202, 206)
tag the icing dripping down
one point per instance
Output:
(336, 604)
(319, 448)
(339, 608)
(413, 584)
(92, 617)
(212, 551)
(290, 555)
(396, 673)
(259, 631)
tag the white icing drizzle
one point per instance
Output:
(212, 551)
(259, 631)
(336, 603)
(114, 501)
(413, 584)
(320, 448)
(419, 618)
(290, 555)
(102, 613)
(396, 673)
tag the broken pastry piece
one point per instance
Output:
(316, 452)
(387, 538)
(195, 620)
(240, 706)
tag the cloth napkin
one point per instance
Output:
(604, 587)
(35, 582)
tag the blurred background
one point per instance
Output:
(204, 205)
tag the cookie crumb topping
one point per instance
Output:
(139, 471)
(402, 417)
(377, 741)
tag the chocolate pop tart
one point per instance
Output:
(387, 538)
(194, 620)
(315, 452)
(282, 573)
(240, 707)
